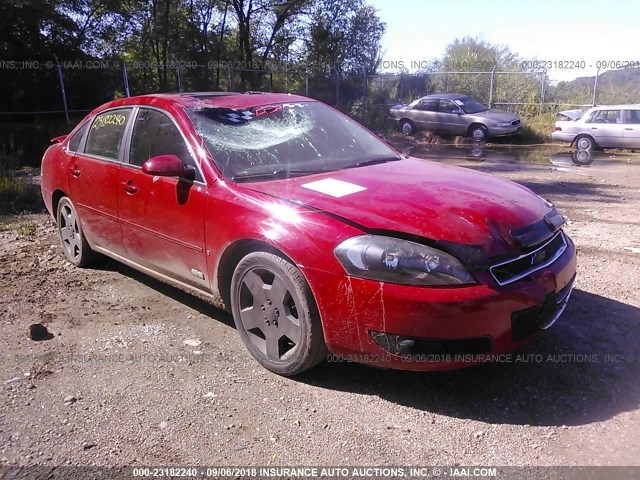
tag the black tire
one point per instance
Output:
(74, 244)
(479, 133)
(276, 315)
(585, 142)
(407, 127)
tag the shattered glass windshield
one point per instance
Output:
(285, 140)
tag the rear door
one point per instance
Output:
(93, 177)
(424, 113)
(631, 132)
(162, 218)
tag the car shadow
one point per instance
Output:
(185, 297)
(584, 369)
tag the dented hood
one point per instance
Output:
(420, 197)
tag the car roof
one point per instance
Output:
(445, 96)
(621, 107)
(232, 100)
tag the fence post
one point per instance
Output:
(270, 81)
(64, 93)
(446, 82)
(493, 73)
(364, 95)
(401, 90)
(125, 79)
(337, 88)
(543, 80)
(179, 77)
(306, 84)
(595, 88)
(230, 83)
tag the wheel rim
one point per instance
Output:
(478, 134)
(70, 232)
(584, 144)
(407, 128)
(583, 157)
(270, 314)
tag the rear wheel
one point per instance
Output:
(407, 127)
(585, 143)
(74, 244)
(275, 314)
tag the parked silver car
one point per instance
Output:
(454, 114)
(605, 126)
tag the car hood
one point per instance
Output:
(497, 115)
(420, 197)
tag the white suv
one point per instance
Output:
(606, 126)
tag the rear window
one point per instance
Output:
(105, 136)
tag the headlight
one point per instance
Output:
(503, 124)
(392, 260)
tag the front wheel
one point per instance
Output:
(479, 133)
(275, 314)
(74, 244)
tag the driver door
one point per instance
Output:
(162, 218)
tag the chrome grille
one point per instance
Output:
(517, 268)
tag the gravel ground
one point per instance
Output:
(140, 373)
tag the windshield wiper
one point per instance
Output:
(274, 175)
(374, 161)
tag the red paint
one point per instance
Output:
(174, 226)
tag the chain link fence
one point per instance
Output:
(73, 89)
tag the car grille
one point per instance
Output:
(515, 123)
(524, 265)
(526, 322)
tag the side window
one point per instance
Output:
(428, 105)
(105, 136)
(447, 106)
(74, 143)
(605, 116)
(155, 134)
(632, 116)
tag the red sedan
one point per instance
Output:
(315, 234)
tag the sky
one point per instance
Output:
(560, 30)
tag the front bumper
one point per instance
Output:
(504, 131)
(486, 319)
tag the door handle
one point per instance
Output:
(628, 128)
(75, 171)
(129, 187)
(594, 128)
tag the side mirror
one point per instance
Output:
(168, 166)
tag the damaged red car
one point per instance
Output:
(317, 236)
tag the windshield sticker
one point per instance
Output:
(293, 105)
(333, 187)
(267, 110)
(244, 116)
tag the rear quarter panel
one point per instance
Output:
(54, 174)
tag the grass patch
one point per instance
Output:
(18, 195)
(27, 229)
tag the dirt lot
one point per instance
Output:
(117, 385)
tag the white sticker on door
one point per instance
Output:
(333, 187)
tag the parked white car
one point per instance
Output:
(605, 126)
